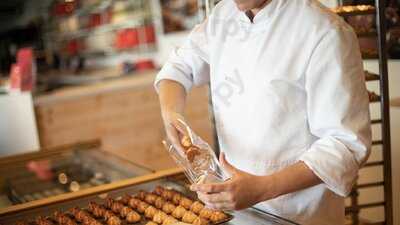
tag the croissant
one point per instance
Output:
(158, 190)
(185, 202)
(125, 199)
(108, 214)
(96, 210)
(133, 217)
(150, 198)
(205, 213)
(91, 221)
(114, 220)
(192, 152)
(189, 217)
(196, 207)
(142, 206)
(63, 219)
(134, 202)
(21, 223)
(159, 217)
(117, 207)
(159, 202)
(186, 142)
(150, 211)
(218, 216)
(168, 207)
(43, 221)
(201, 221)
(109, 202)
(178, 212)
(141, 195)
(176, 198)
(167, 194)
(79, 214)
(125, 211)
(169, 221)
(151, 223)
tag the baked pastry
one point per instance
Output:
(185, 202)
(159, 202)
(196, 207)
(108, 214)
(167, 194)
(192, 152)
(79, 214)
(189, 217)
(63, 219)
(186, 142)
(43, 221)
(159, 217)
(169, 220)
(96, 209)
(168, 207)
(91, 221)
(150, 211)
(158, 190)
(151, 223)
(117, 207)
(150, 198)
(205, 213)
(179, 212)
(176, 198)
(21, 223)
(125, 211)
(133, 217)
(201, 221)
(125, 199)
(141, 195)
(114, 220)
(218, 216)
(134, 202)
(109, 202)
(142, 206)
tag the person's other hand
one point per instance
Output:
(174, 129)
(243, 190)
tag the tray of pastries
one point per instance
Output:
(162, 206)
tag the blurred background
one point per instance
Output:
(78, 74)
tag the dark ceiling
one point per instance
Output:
(11, 7)
(19, 13)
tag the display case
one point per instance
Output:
(172, 179)
(40, 176)
(102, 179)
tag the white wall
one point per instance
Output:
(18, 132)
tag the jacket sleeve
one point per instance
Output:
(188, 64)
(338, 110)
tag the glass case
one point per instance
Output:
(75, 168)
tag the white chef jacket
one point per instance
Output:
(287, 87)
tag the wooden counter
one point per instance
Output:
(123, 113)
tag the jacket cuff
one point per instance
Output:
(333, 163)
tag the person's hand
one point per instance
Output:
(174, 129)
(243, 190)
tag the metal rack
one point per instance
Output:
(355, 207)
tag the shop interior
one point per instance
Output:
(80, 120)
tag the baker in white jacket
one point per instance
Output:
(290, 105)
